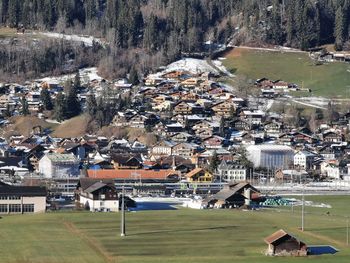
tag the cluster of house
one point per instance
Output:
(323, 55)
(272, 88)
(201, 126)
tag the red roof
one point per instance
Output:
(131, 174)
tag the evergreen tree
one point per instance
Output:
(60, 107)
(77, 83)
(339, 29)
(214, 162)
(133, 76)
(25, 108)
(72, 104)
(243, 157)
(46, 99)
(91, 106)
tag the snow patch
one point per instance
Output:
(87, 40)
(86, 75)
(192, 65)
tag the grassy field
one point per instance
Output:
(330, 80)
(168, 236)
(7, 32)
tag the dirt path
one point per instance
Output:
(93, 244)
(277, 49)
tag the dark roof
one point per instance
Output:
(125, 159)
(23, 190)
(233, 189)
(96, 186)
(85, 183)
(10, 161)
(2, 183)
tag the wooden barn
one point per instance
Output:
(281, 243)
(233, 196)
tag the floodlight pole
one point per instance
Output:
(122, 226)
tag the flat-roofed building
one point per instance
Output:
(270, 156)
(22, 199)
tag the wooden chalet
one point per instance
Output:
(199, 175)
(234, 195)
(281, 243)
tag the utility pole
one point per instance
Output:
(302, 211)
(122, 226)
(347, 231)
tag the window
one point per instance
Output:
(15, 208)
(28, 208)
(14, 197)
(3, 197)
(3, 208)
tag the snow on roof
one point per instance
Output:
(269, 147)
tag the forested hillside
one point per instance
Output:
(167, 28)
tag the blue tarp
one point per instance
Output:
(321, 250)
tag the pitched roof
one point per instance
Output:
(85, 183)
(232, 190)
(95, 186)
(133, 174)
(276, 236)
(194, 172)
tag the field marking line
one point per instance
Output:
(90, 241)
(322, 237)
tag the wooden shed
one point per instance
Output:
(281, 243)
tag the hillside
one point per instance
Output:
(23, 125)
(75, 127)
(329, 79)
(162, 31)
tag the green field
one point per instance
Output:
(7, 32)
(169, 236)
(330, 79)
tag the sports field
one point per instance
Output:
(169, 236)
(329, 79)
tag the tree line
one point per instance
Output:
(145, 34)
(183, 25)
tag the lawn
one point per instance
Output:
(7, 32)
(167, 236)
(330, 79)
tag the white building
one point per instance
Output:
(330, 170)
(57, 165)
(270, 156)
(229, 172)
(97, 195)
(304, 159)
(22, 199)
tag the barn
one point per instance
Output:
(281, 243)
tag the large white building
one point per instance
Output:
(22, 199)
(270, 156)
(57, 165)
(304, 159)
(230, 172)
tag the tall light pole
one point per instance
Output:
(122, 226)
